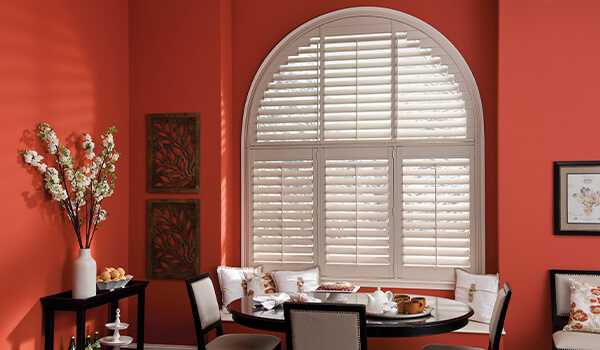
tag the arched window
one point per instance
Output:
(362, 153)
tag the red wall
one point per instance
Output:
(83, 66)
(547, 112)
(175, 55)
(64, 63)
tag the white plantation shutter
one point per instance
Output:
(429, 101)
(282, 206)
(357, 212)
(385, 114)
(436, 211)
(357, 82)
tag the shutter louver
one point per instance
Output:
(282, 228)
(357, 220)
(436, 212)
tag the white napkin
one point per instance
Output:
(301, 297)
(269, 302)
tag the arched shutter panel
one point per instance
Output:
(354, 80)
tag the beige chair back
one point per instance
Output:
(206, 300)
(498, 315)
(205, 307)
(311, 326)
(560, 292)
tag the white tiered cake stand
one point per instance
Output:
(116, 339)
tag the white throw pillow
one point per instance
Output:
(230, 280)
(287, 281)
(477, 291)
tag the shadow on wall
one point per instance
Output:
(46, 77)
(49, 211)
(22, 335)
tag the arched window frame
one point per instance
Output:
(287, 47)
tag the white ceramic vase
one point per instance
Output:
(84, 275)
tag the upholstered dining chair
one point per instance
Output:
(496, 324)
(560, 296)
(327, 326)
(207, 317)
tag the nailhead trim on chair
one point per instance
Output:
(330, 312)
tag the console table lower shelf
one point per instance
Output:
(65, 302)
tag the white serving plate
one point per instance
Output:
(123, 340)
(425, 312)
(353, 290)
(337, 296)
(110, 285)
(112, 326)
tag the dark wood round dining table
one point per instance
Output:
(446, 315)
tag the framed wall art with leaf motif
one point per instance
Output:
(174, 153)
(173, 238)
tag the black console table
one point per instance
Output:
(65, 302)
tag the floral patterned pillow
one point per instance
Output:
(585, 307)
(259, 283)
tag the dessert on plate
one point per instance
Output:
(336, 286)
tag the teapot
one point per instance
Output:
(377, 299)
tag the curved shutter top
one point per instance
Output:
(362, 78)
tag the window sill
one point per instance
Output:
(401, 284)
(226, 317)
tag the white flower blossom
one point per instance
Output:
(33, 158)
(70, 175)
(28, 157)
(80, 194)
(87, 184)
(100, 216)
(50, 137)
(52, 176)
(108, 142)
(42, 167)
(88, 146)
(36, 161)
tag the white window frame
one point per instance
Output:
(282, 50)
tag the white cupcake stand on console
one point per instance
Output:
(116, 339)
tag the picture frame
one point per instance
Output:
(577, 198)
